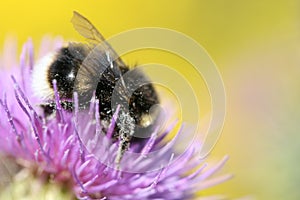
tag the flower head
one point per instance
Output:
(78, 151)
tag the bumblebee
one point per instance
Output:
(94, 68)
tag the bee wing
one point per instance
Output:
(101, 61)
(93, 67)
(85, 28)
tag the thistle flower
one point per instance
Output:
(72, 150)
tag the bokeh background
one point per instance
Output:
(256, 45)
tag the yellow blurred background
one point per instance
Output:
(256, 45)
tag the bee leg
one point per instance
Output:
(126, 124)
(123, 146)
